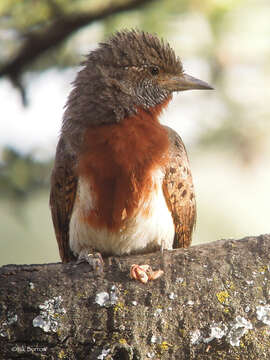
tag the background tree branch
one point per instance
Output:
(37, 42)
(211, 303)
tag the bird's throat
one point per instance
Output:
(156, 111)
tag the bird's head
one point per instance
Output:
(132, 70)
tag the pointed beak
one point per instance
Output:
(187, 82)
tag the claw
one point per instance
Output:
(144, 273)
(93, 259)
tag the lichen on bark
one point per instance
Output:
(211, 303)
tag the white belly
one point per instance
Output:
(138, 234)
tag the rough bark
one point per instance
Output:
(211, 303)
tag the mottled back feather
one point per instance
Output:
(179, 191)
(62, 197)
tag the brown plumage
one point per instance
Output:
(121, 181)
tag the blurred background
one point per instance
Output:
(226, 131)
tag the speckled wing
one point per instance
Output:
(62, 197)
(179, 192)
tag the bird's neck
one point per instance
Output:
(155, 111)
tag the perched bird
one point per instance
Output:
(121, 182)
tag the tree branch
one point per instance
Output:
(212, 302)
(38, 42)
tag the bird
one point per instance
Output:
(121, 182)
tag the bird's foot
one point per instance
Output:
(93, 259)
(144, 273)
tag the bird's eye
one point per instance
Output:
(154, 70)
